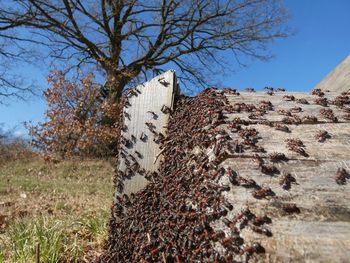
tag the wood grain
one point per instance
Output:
(145, 107)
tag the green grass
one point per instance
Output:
(59, 240)
(65, 210)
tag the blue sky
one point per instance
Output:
(320, 42)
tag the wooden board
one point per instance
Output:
(140, 143)
(338, 79)
(321, 232)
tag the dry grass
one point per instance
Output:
(64, 207)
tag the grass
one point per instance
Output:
(63, 207)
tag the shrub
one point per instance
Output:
(79, 121)
(12, 148)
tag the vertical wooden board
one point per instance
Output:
(145, 106)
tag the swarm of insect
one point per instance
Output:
(321, 136)
(341, 176)
(317, 92)
(172, 220)
(296, 145)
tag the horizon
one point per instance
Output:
(320, 43)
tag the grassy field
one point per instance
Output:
(63, 207)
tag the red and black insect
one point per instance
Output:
(302, 101)
(290, 208)
(309, 119)
(165, 109)
(277, 157)
(281, 127)
(250, 90)
(154, 115)
(281, 89)
(286, 180)
(322, 136)
(261, 220)
(341, 176)
(262, 193)
(261, 230)
(269, 169)
(296, 145)
(288, 98)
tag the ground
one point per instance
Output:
(64, 207)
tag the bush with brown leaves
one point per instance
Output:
(79, 120)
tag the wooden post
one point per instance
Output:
(146, 115)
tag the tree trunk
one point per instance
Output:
(115, 84)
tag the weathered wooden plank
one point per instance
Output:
(144, 124)
(338, 79)
(320, 233)
(277, 101)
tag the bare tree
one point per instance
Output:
(12, 85)
(129, 39)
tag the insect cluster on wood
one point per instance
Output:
(172, 219)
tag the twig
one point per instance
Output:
(37, 252)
